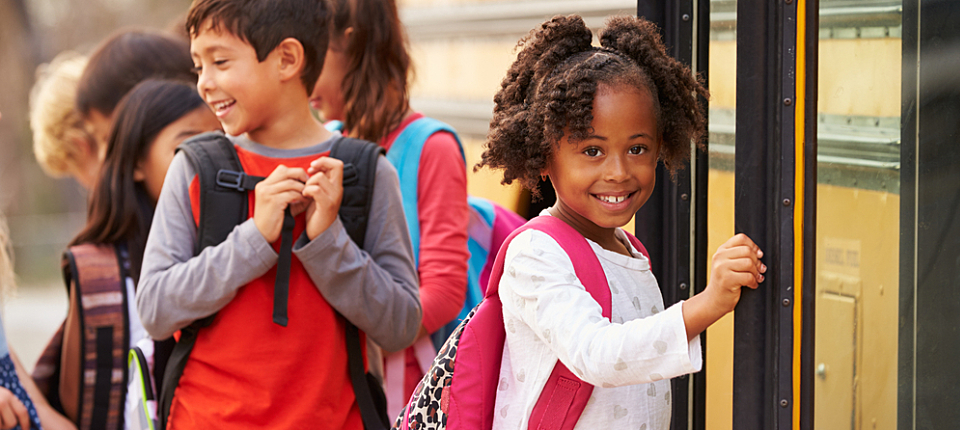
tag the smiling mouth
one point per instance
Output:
(612, 199)
(221, 106)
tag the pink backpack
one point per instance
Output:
(459, 390)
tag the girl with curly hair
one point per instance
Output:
(595, 120)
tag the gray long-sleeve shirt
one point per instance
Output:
(374, 287)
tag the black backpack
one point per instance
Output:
(224, 205)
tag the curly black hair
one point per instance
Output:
(549, 91)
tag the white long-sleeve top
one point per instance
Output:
(549, 315)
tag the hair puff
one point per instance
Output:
(549, 91)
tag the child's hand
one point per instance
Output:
(272, 196)
(735, 264)
(325, 187)
(12, 411)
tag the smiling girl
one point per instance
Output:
(596, 121)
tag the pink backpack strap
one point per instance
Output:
(565, 395)
(636, 244)
(472, 393)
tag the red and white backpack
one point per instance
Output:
(459, 390)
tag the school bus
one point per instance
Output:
(834, 141)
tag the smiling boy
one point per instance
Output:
(257, 61)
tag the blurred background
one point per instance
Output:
(44, 213)
(461, 51)
(868, 300)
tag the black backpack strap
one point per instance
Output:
(359, 176)
(222, 207)
(366, 388)
(281, 286)
(360, 160)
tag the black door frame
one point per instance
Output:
(770, 391)
(775, 174)
(664, 222)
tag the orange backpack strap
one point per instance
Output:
(95, 273)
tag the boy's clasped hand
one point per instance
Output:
(317, 190)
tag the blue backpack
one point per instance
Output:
(489, 223)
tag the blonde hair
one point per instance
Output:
(54, 118)
(7, 279)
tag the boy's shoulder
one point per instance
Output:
(244, 143)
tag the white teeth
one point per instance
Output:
(222, 105)
(612, 199)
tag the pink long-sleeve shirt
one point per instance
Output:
(443, 215)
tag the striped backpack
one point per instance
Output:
(96, 276)
(459, 390)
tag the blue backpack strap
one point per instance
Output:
(404, 154)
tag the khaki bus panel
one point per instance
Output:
(858, 250)
(719, 353)
(867, 81)
(835, 383)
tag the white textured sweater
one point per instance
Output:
(549, 315)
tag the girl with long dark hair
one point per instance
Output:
(152, 119)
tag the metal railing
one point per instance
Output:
(513, 18)
(500, 19)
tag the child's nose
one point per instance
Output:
(204, 82)
(616, 169)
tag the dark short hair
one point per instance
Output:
(265, 23)
(125, 59)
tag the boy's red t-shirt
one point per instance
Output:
(247, 372)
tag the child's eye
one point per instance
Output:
(591, 152)
(637, 150)
(220, 62)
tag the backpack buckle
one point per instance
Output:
(230, 179)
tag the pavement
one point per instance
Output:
(31, 316)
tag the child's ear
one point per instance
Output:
(290, 57)
(344, 40)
